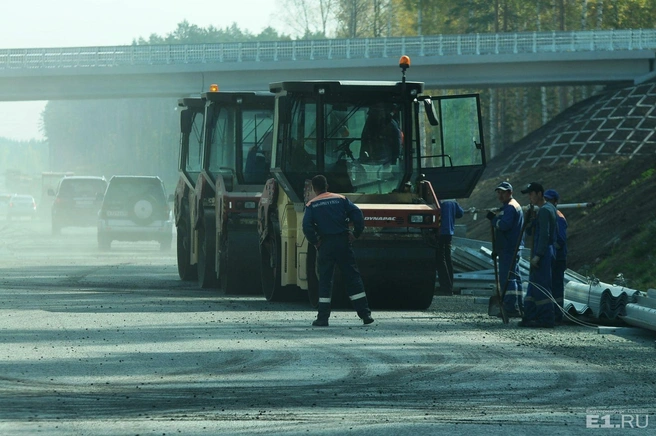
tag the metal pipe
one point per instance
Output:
(476, 210)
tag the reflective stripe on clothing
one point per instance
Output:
(338, 251)
(508, 224)
(324, 196)
(513, 297)
(542, 302)
(537, 304)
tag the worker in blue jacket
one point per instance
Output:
(538, 304)
(326, 226)
(507, 225)
(559, 264)
(449, 211)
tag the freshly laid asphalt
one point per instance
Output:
(109, 343)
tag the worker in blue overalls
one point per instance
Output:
(326, 226)
(449, 211)
(538, 304)
(507, 225)
(559, 264)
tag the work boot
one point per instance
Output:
(534, 324)
(511, 314)
(367, 320)
(320, 323)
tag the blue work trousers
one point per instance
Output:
(558, 287)
(337, 250)
(512, 300)
(444, 264)
(538, 306)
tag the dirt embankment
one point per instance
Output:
(615, 236)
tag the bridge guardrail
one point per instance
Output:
(329, 49)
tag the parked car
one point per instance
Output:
(21, 206)
(135, 208)
(77, 202)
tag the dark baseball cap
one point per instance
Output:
(504, 186)
(533, 187)
(551, 194)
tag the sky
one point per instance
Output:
(75, 23)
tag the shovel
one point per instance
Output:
(495, 305)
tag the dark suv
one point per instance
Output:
(135, 208)
(77, 202)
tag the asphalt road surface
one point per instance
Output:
(108, 343)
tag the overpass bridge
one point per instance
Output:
(441, 61)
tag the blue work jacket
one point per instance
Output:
(508, 226)
(449, 211)
(329, 214)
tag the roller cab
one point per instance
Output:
(234, 161)
(393, 152)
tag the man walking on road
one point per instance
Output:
(326, 226)
(559, 264)
(507, 225)
(449, 211)
(538, 307)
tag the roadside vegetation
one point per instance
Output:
(634, 254)
(612, 240)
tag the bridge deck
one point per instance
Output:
(442, 61)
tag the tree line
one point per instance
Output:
(379, 18)
(19, 160)
(140, 136)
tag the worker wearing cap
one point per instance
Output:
(538, 305)
(507, 224)
(449, 211)
(559, 264)
(326, 226)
